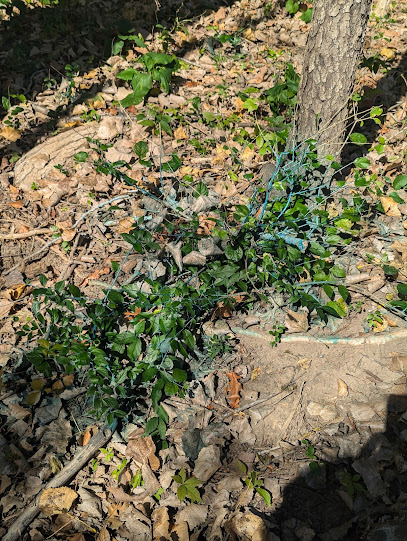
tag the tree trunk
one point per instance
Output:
(331, 58)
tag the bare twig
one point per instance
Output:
(32, 233)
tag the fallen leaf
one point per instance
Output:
(390, 321)
(5, 307)
(179, 133)
(380, 327)
(296, 321)
(142, 449)
(181, 531)
(247, 155)
(104, 535)
(120, 496)
(56, 464)
(222, 155)
(255, 373)
(95, 275)
(342, 388)
(68, 380)
(16, 204)
(37, 384)
(16, 292)
(129, 315)
(161, 524)
(125, 225)
(54, 501)
(10, 133)
(390, 206)
(33, 398)
(86, 437)
(233, 389)
(389, 54)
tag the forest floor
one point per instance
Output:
(305, 439)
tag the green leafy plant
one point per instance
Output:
(117, 471)
(374, 319)
(351, 482)
(108, 454)
(156, 68)
(187, 487)
(254, 482)
(310, 453)
(277, 331)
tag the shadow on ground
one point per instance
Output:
(318, 506)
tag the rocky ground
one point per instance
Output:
(318, 423)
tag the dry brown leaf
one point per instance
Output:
(390, 321)
(296, 321)
(120, 496)
(37, 384)
(13, 189)
(181, 531)
(56, 464)
(76, 537)
(390, 206)
(125, 225)
(247, 155)
(179, 133)
(380, 327)
(222, 155)
(161, 524)
(342, 388)
(16, 204)
(104, 535)
(23, 229)
(95, 275)
(68, 380)
(54, 501)
(16, 292)
(304, 363)
(233, 389)
(389, 54)
(142, 449)
(5, 307)
(255, 373)
(86, 437)
(10, 133)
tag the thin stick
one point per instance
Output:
(253, 404)
(32, 233)
(16, 530)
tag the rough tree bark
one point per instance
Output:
(331, 58)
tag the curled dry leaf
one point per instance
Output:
(342, 388)
(95, 275)
(54, 501)
(233, 389)
(194, 258)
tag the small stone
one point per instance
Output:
(208, 247)
(328, 413)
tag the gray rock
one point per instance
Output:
(361, 412)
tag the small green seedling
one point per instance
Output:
(254, 482)
(310, 453)
(137, 480)
(350, 482)
(109, 454)
(187, 487)
(375, 319)
(277, 331)
(116, 473)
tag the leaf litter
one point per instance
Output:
(334, 402)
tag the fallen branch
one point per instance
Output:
(16, 530)
(32, 233)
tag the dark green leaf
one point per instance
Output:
(399, 182)
(362, 163)
(179, 375)
(358, 138)
(389, 270)
(172, 165)
(151, 425)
